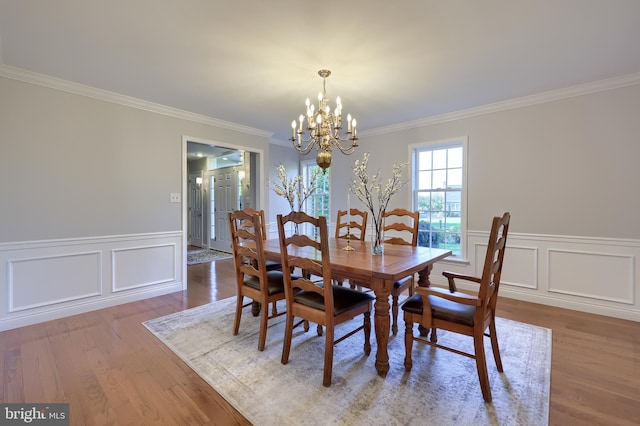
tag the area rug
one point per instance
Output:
(205, 255)
(441, 389)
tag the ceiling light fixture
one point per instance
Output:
(324, 128)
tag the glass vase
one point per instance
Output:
(377, 236)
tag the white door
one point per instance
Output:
(195, 209)
(226, 200)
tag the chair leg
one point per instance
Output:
(481, 365)
(288, 334)
(264, 318)
(328, 356)
(394, 311)
(408, 345)
(236, 323)
(319, 330)
(494, 346)
(367, 333)
(434, 335)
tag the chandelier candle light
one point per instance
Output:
(324, 128)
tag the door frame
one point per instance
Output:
(260, 191)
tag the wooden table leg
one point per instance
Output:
(255, 308)
(423, 281)
(423, 276)
(382, 322)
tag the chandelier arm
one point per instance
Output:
(309, 143)
(345, 150)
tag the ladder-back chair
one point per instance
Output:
(319, 302)
(462, 313)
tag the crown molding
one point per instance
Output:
(116, 98)
(539, 98)
(107, 96)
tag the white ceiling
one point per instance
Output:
(254, 62)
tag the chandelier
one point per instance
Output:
(324, 128)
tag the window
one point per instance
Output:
(439, 194)
(318, 203)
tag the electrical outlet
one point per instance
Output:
(174, 197)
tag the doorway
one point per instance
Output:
(219, 179)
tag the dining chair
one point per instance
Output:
(270, 264)
(345, 227)
(318, 301)
(463, 313)
(400, 227)
(357, 221)
(253, 280)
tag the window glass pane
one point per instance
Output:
(454, 157)
(424, 203)
(452, 242)
(424, 180)
(440, 159)
(454, 178)
(453, 199)
(437, 204)
(439, 179)
(424, 159)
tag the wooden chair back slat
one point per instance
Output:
(357, 223)
(396, 228)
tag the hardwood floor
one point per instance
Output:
(111, 370)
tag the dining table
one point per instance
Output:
(378, 272)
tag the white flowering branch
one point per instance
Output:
(369, 189)
(294, 187)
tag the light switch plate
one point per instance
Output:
(174, 197)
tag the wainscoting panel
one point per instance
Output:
(142, 266)
(41, 281)
(520, 267)
(45, 280)
(596, 275)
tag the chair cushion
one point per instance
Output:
(273, 266)
(402, 282)
(343, 299)
(274, 279)
(442, 309)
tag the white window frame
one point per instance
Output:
(435, 145)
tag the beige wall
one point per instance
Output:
(567, 167)
(290, 159)
(74, 166)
